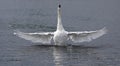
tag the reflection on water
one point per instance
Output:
(71, 55)
(61, 55)
(50, 55)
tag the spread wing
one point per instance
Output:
(86, 35)
(36, 37)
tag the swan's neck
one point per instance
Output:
(59, 24)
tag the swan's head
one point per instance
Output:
(59, 6)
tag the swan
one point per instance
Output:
(60, 36)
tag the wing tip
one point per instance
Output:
(16, 32)
(104, 30)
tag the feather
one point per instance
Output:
(86, 35)
(36, 37)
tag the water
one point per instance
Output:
(77, 15)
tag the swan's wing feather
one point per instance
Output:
(36, 37)
(86, 35)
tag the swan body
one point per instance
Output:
(60, 36)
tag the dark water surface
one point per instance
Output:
(77, 15)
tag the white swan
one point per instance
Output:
(60, 35)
